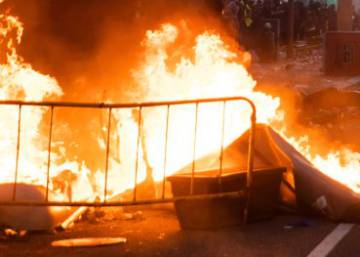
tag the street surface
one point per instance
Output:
(157, 233)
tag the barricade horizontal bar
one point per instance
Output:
(125, 203)
(126, 105)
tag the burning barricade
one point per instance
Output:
(145, 143)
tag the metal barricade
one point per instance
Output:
(140, 107)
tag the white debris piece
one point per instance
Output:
(29, 217)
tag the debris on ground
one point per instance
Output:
(98, 215)
(8, 233)
(89, 242)
(302, 223)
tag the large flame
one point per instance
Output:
(208, 68)
(216, 71)
(211, 70)
(19, 81)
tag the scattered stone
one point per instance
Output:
(138, 215)
(9, 233)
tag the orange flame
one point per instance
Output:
(20, 82)
(215, 71)
(211, 69)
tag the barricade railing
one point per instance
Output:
(110, 107)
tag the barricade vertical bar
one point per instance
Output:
(251, 154)
(251, 150)
(194, 149)
(17, 152)
(221, 160)
(49, 153)
(137, 151)
(107, 153)
(165, 149)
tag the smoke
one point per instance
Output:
(92, 46)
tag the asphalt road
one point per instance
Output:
(158, 233)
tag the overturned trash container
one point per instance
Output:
(260, 200)
(302, 186)
(228, 210)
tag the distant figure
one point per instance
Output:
(356, 21)
(267, 51)
(332, 18)
(300, 14)
(230, 14)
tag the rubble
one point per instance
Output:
(102, 215)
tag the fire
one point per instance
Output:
(342, 166)
(213, 71)
(172, 70)
(216, 71)
(20, 82)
